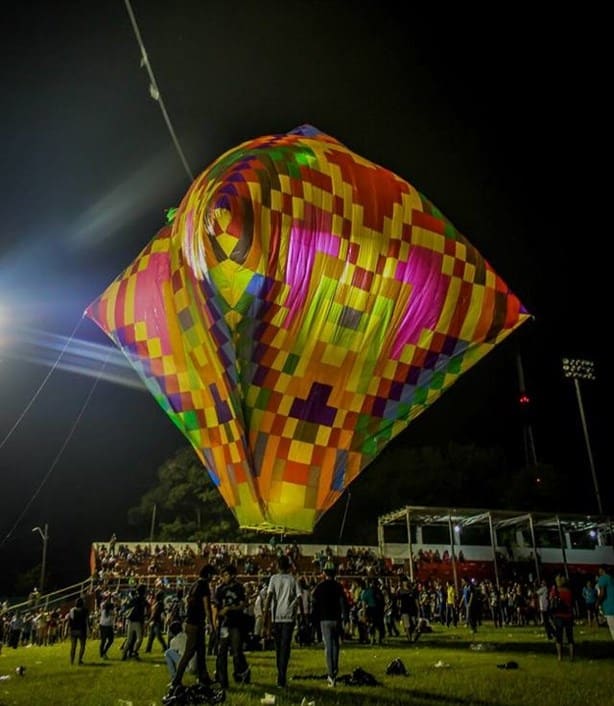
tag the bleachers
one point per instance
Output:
(253, 560)
(305, 564)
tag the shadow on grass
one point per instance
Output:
(371, 696)
(585, 649)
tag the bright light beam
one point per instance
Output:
(80, 357)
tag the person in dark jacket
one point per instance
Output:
(136, 613)
(230, 603)
(198, 615)
(77, 624)
(156, 623)
(330, 611)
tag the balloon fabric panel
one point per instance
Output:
(304, 306)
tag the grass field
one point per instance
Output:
(469, 674)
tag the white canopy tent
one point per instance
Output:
(456, 519)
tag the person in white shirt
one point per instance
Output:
(176, 648)
(259, 604)
(107, 626)
(283, 599)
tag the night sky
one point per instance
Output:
(503, 123)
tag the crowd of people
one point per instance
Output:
(224, 614)
(113, 561)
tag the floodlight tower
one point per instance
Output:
(578, 369)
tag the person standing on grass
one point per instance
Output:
(329, 609)
(136, 614)
(156, 623)
(198, 615)
(451, 612)
(230, 603)
(77, 626)
(106, 626)
(561, 605)
(590, 595)
(474, 606)
(605, 586)
(407, 601)
(542, 600)
(283, 599)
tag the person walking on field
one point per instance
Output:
(77, 624)
(282, 602)
(136, 613)
(329, 609)
(198, 615)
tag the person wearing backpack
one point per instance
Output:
(561, 610)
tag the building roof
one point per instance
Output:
(464, 517)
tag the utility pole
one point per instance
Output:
(153, 525)
(44, 534)
(525, 403)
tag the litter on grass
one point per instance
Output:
(508, 665)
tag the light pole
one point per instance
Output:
(45, 537)
(578, 369)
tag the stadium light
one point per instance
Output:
(577, 369)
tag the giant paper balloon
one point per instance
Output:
(304, 306)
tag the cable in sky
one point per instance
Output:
(41, 386)
(154, 91)
(58, 455)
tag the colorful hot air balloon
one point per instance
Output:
(304, 306)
